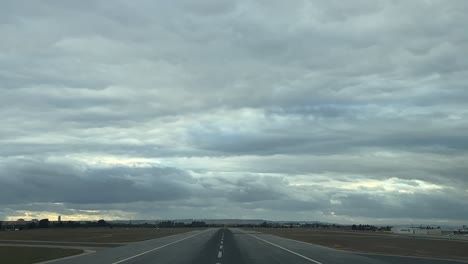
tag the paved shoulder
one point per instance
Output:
(266, 248)
(180, 248)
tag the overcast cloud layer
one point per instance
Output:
(340, 111)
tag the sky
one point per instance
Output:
(335, 111)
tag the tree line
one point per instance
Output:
(45, 223)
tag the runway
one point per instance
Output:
(234, 246)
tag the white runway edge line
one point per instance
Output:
(163, 246)
(285, 249)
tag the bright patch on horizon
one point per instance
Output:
(112, 161)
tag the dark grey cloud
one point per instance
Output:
(40, 181)
(165, 104)
(68, 188)
(436, 205)
(254, 189)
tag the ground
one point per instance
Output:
(27, 255)
(382, 243)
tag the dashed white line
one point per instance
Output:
(163, 246)
(220, 252)
(283, 248)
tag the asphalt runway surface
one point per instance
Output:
(234, 246)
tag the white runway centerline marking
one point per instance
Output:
(283, 248)
(220, 252)
(163, 246)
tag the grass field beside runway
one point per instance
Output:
(95, 234)
(379, 243)
(28, 255)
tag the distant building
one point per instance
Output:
(434, 232)
(421, 231)
(402, 230)
(60, 218)
(13, 224)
